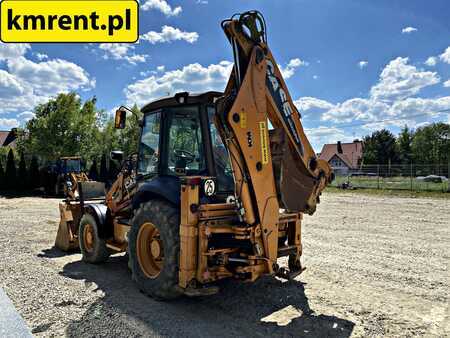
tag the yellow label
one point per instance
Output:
(243, 120)
(264, 142)
(69, 21)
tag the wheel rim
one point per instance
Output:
(88, 237)
(150, 250)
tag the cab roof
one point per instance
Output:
(181, 99)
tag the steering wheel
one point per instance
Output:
(185, 155)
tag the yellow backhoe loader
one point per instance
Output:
(70, 174)
(219, 183)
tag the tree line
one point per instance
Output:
(62, 127)
(426, 146)
(66, 126)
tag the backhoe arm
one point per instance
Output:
(276, 168)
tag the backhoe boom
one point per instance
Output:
(273, 168)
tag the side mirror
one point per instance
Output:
(120, 118)
(116, 155)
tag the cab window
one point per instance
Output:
(185, 144)
(221, 159)
(149, 145)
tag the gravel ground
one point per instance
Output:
(376, 266)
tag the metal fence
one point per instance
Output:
(395, 177)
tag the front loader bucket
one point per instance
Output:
(67, 235)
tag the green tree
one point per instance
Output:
(113, 171)
(106, 139)
(128, 139)
(34, 175)
(431, 146)
(380, 148)
(2, 176)
(10, 173)
(62, 127)
(103, 170)
(93, 171)
(22, 175)
(404, 141)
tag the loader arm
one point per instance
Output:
(276, 169)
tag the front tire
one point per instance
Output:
(154, 248)
(93, 248)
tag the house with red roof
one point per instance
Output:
(343, 157)
(8, 138)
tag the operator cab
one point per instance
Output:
(69, 165)
(179, 139)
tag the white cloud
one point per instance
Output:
(391, 101)
(25, 83)
(321, 135)
(412, 107)
(122, 51)
(202, 2)
(192, 78)
(362, 64)
(315, 77)
(26, 115)
(162, 6)
(12, 50)
(447, 84)
(168, 34)
(399, 80)
(408, 30)
(10, 85)
(147, 73)
(310, 105)
(28, 100)
(41, 56)
(355, 109)
(291, 67)
(401, 112)
(8, 123)
(431, 61)
(50, 77)
(445, 57)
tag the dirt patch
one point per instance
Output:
(375, 266)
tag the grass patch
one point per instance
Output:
(392, 183)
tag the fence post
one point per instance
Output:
(411, 175)
(448, 176)
(378, 176)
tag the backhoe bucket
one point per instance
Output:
(70, 211)
(66, 237)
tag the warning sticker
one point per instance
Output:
(264, 142)
(243, 120)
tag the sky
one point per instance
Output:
(351, 66)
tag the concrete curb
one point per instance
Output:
(11, 323)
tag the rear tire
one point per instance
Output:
(93, 248)
(154, 248)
